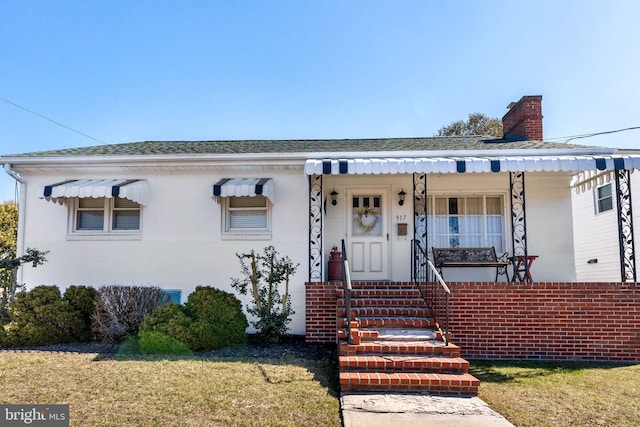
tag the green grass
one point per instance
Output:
(561, 394)
(181, 390)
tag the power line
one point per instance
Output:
(51, 120)
(589, 135)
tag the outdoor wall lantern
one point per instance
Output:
(334, 197)
(401, 196)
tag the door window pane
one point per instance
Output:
(366, 220)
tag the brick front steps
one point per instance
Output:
(395, 345)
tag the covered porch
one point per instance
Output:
(393, 210)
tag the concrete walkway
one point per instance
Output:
(404, 410)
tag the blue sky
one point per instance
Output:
(122, 71)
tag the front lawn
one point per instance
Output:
(185, 391)
(238, 387)
(564, 394)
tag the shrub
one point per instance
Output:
(120, 310)
(171, 319)
(42, 317)
(154, 342)
(82, 299)
(272, 310)
(210, 319)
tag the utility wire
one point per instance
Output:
(51, 120)
(565, 138)
(589, 135)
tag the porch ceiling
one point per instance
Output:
(391, 165)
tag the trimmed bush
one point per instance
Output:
(210, 319)
(41, 317)
(82, 299)
(120, 310)
(154, 342)
(170, 319)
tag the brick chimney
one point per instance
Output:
(523, 121)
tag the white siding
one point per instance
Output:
(596, 235)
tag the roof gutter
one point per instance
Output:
(13, 174)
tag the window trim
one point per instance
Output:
(228, 233)
(107, 231)
(598, 199)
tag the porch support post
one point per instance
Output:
(518, 219)
(420, 205)
(625, 226)
(315, 228)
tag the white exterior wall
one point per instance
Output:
(548, 210)
(596, 234)
(549, 226)
(180, 245)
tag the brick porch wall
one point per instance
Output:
(320, 315)
(546, 321)
(542, 321)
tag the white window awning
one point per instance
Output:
(131, 189)
(560, 163)
(238, 187)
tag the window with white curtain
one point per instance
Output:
(246, 214)
(105, 215)
(466, 221)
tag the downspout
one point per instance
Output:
(22, 203)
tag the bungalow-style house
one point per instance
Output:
(603, 223)
(174, 214)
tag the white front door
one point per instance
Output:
(368, 233)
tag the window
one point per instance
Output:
(173, 295)
(604, 199)
(246, 215)
(471, 221)
(102, 215)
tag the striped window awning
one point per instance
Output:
(238, 187)
(561, 163)
(131, 189)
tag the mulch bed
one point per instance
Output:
(290, 347)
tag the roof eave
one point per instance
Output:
(289, 158)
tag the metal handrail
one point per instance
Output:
(432, 287)
(447, 292)
(346, 284)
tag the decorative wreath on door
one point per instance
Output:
(366, 219)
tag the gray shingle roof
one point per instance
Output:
(298, 146)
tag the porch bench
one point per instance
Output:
(470, 257)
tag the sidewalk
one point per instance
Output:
(405, 410)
